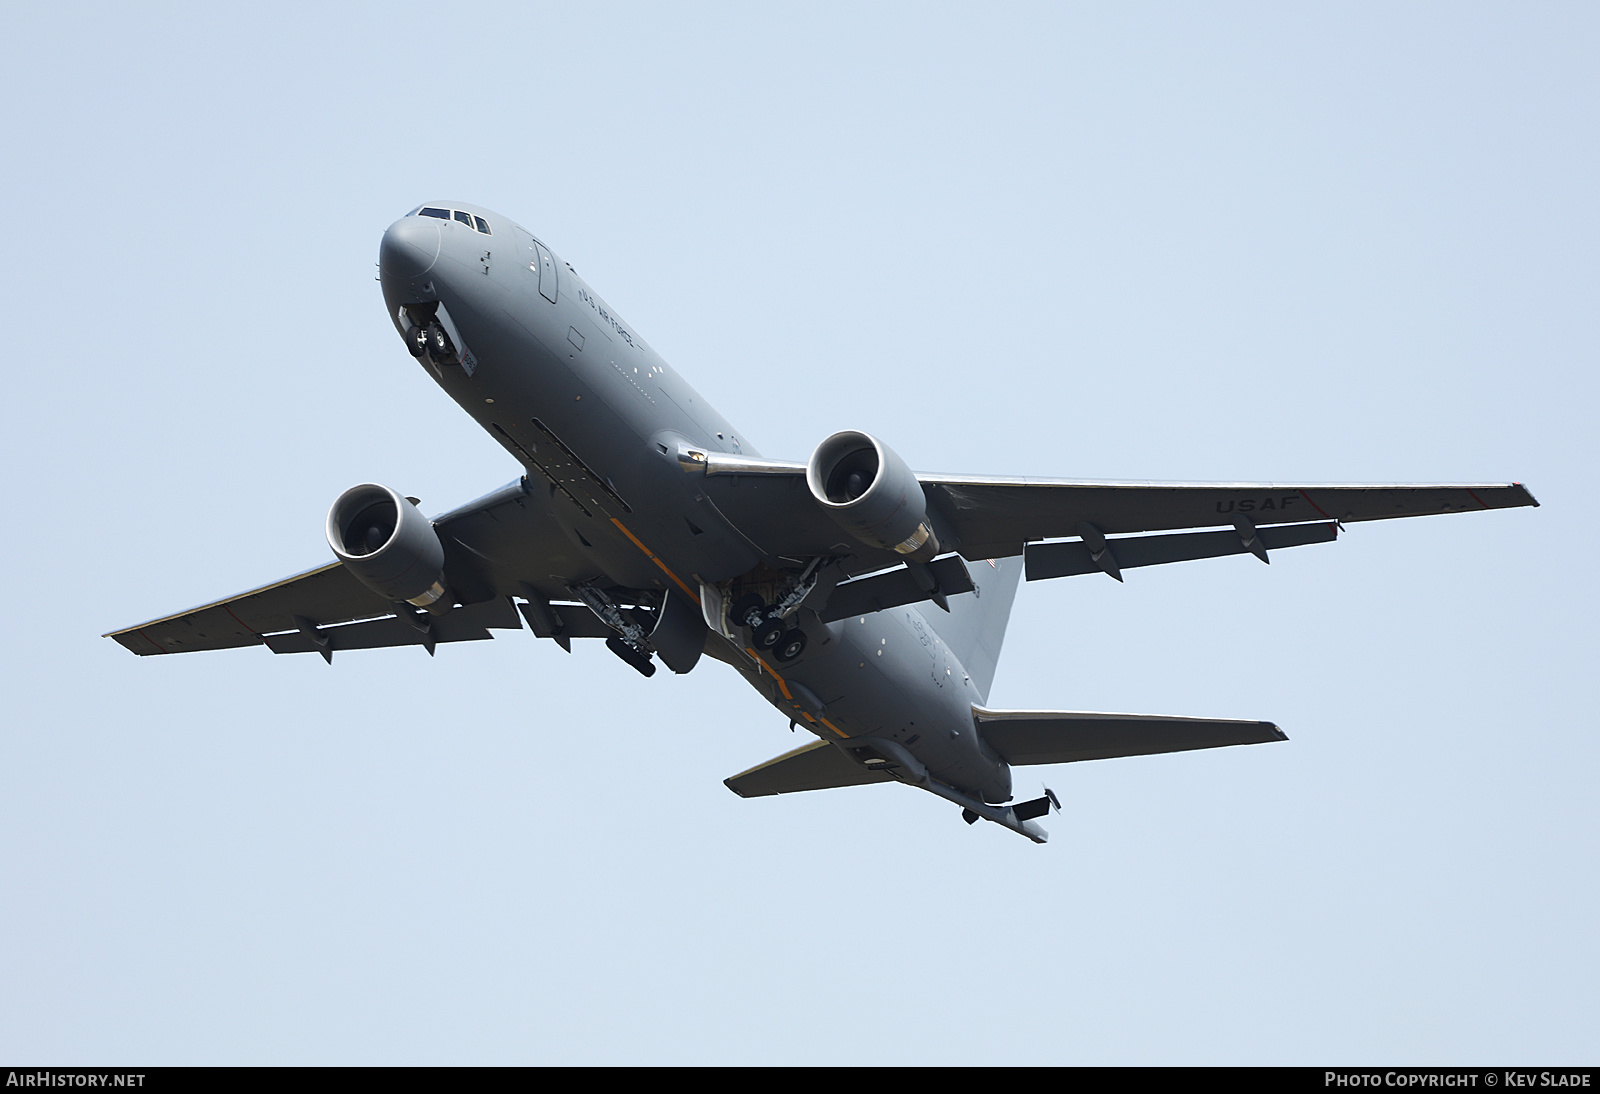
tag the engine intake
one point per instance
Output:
(388, 544)
(862, 484)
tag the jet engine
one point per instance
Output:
(390, 546)
(873, 495)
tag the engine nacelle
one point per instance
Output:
(390, 546)
(873, 495)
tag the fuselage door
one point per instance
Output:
(547, 272)
(542, 263)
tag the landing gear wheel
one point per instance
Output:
(748, 610)
(416, 341)
(437, 342)
(791, 645)
(769, 634)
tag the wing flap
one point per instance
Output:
(577, 621)
(469, 623)
(330, 598)
(816, 766)
(1072, 557)
(873, 594)
(1024, 737)
(993, 518)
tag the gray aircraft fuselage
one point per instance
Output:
(645, 519)
(544, 359)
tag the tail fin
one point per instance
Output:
(976, 623)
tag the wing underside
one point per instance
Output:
(989, 518)
(328, 594)
(504, 544)
(995, 517)
(320, 611)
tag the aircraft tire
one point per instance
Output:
(416, 341)
(769, 634)
(438, 342)
(791, 645)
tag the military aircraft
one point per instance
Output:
(865, 601)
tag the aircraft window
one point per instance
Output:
(483, 226)
(465, 218)
(442, 214)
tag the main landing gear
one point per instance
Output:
(768, 632)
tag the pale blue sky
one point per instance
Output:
(1305, 242)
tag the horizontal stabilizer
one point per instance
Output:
(1024, 737)
(1038, 807)
(816, 766)
(1046, 560)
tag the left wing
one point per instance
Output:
(995, 517)
(987, 518)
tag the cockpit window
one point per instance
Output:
(458, 215)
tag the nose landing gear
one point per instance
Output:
(437, 342)
(425, 336)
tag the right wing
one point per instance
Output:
(504, 544)
(328, 594)
(1024, 737)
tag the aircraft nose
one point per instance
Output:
(409, 248)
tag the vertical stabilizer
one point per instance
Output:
(975, 626)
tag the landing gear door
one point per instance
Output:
(541, 263)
